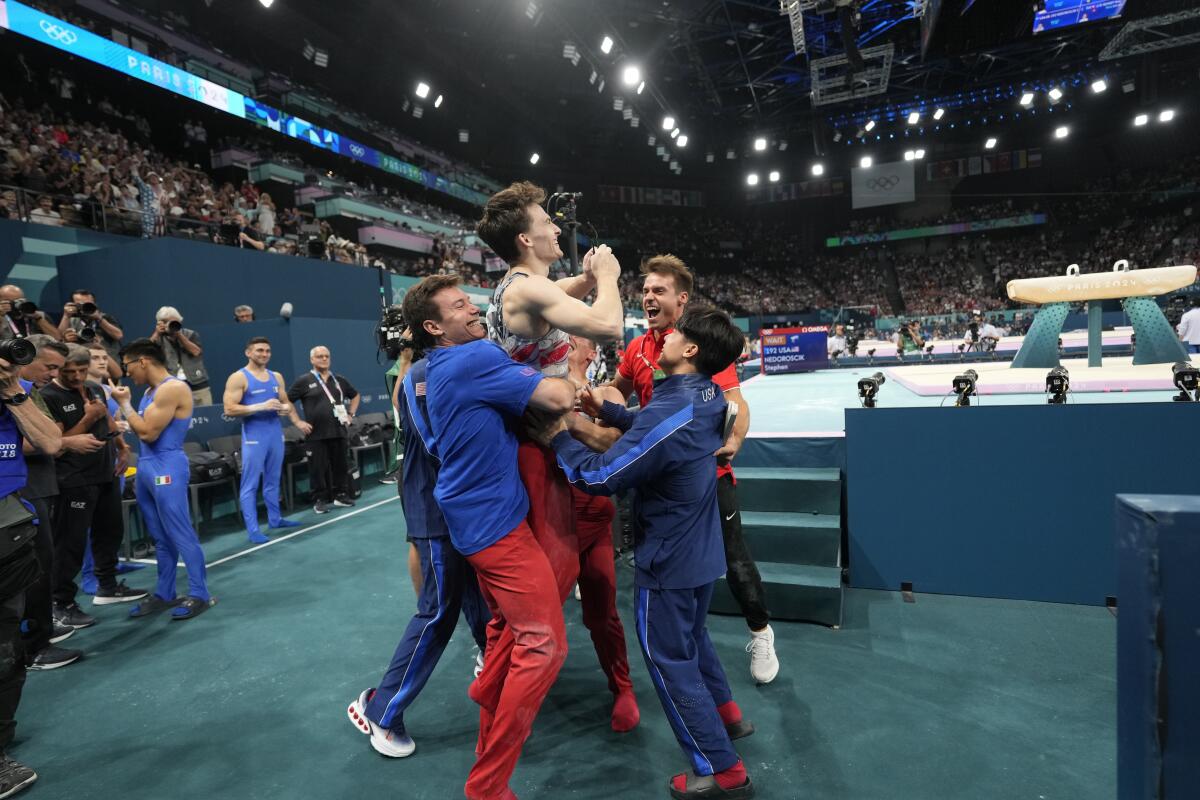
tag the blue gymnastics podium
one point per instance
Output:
(1158, 647)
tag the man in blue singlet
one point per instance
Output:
(257, 395)
(161, 422)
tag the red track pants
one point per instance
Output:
(527, 644)
(598, 587)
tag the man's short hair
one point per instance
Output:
(710, 329)
(144, 348)
(419, 306)
(41, 342)
(168, 312)
(672, 267)
(506, 215)
(243, 310)
(258, 340)
(78, 354)
(88, 292)
(95, 344)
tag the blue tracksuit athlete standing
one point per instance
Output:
(449, 585)
(161, 422)
(256, 394)
(666, 452)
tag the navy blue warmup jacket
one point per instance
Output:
(666, 452)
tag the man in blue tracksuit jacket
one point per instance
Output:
(666, 453)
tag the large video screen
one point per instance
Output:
(1062, 13)
(57, 33)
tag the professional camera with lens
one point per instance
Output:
(174, 326)
(17, 351)
(23, 308)
(852, 339)
(87, 333)
(390, 332)
(85, 310)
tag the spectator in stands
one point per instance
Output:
(247, 236)
(77, 326)
(151, 203)
(265, 221)
(183, 352)
(330, 402)
(243, 314)
(45, 214)
(16, 323)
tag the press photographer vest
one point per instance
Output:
(12, 463)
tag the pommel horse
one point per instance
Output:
(1156, 341)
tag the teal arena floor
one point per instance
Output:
(946, 697)
(816, 402)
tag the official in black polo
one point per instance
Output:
(329, 402)
(88, 494)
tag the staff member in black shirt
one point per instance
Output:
(330, 402)
(88, 495)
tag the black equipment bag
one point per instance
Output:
(209, 466)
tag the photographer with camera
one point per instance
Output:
(835, 345)
(82, 321)
(89, 497)
(981, 334)
(21, 316)
(183, 352)
(20, 421)
(908, 338)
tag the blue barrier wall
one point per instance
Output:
(1005, 501)
(1158, 647)
(205, 282)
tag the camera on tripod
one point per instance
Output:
(389, 333)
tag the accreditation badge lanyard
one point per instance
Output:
(339, 405)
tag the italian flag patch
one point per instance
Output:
(162, 480)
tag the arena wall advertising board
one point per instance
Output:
(883, 184)
(794, 349)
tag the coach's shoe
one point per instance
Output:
(732, 784)
(60, 632)
(257, 537)
(14, 776)
(152, 605)
(320, 507)
(51, 657)
(343, 501)
(286, 523)
(393, 744)
(120, 593)
(72, 616)
(190, 607)
(764, 666)
(736, 726)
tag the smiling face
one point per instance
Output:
(542, 236)
(676, 350)
(661, 302)
(458, 322)
(259, 354)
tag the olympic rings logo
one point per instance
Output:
(883, 184)
(57, 32)
(357, 150)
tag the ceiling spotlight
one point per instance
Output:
(870, 126)
(606, 45)
(1099, 85)
(1166, 115)
(631, 75)
(1055, 94)
(909, 155)
(752, 179)
(1027, 99)
(668, 123)
(941, 112)
(681, 141)
(773, 177)
(709, 158)
(267, 3)
(1128, 86)
(438, 103)
(641, 86)
(1062, 132)
(533, 159)
(730, 155)
(818, 169)
(674, 133)
(990, 143)
(782, 145)
(422, 90)
(1141, 119)
(914, 117)
(464, 135)
(760, 144)
(865, 162)
(920, 153)
(837, 136)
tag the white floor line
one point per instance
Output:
(339, 518)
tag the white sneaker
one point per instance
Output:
(392, 744)
(478, 663)
(764, 666)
